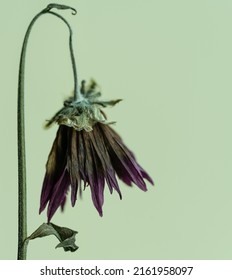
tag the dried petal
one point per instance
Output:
(55, 166)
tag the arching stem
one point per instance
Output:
(77, 95)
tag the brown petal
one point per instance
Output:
(72, 165)
(55, 165)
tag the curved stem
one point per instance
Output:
(77, 95)
(22, 190)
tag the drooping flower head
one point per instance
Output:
(87, 152)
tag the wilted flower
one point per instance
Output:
(87, 152)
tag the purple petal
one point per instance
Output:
(146, 176)
(58, 194)
(102, 153)
(63, 204)
(93, 174)
(123, 159)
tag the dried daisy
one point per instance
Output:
(87, 152)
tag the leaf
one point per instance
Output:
(65, 235)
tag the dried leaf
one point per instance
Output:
(66, 236)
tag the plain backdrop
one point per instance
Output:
(171, 63)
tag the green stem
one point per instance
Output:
(77, 95)
(22, 189)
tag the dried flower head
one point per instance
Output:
(87, 152)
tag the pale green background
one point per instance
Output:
(171, 62)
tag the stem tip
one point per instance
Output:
(60, 7)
